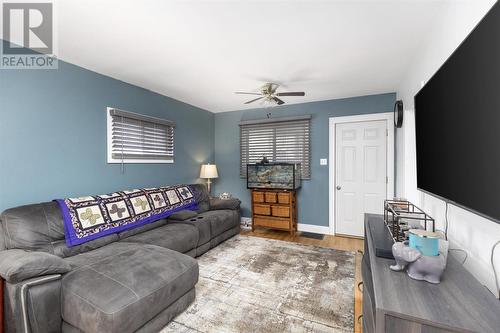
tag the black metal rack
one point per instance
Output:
(398, 214)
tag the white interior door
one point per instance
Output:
(360, 173)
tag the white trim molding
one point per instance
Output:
(317, 229)
(246, 222)
(389, 117)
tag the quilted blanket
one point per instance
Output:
(90, 217)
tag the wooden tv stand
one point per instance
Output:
(274, 209)
(394, 303)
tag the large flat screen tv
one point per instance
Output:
(457, 118)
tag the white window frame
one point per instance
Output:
(109, 152)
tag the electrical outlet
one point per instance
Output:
(323, 161)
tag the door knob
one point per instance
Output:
(339, 187)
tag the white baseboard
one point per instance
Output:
(246, 222)
(317, 229)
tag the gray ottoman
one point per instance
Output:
(123, 292)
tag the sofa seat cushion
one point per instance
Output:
(122, 292)
(202, 225)
(91, 257)
(183, 215)
(178, 237)
(220, 220)
(142, 228)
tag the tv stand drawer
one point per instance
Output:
(274, 209)
(270, 222)
(270, 197)
(262, 209)
(280, 211)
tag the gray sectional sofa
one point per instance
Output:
(133, 281)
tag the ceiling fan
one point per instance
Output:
(268, 93)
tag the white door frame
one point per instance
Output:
(389, 117)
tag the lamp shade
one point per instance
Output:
(208, 171)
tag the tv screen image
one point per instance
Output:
(457, 123)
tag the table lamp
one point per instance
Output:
(208, 171)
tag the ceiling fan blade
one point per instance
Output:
(296, 93)
(247, 93)
(253, 100)
(274, 86)
(277, 100)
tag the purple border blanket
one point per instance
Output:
(91, 217)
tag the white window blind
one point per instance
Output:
(136, 138)
(280, 140)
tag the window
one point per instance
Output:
(135, 138)
(280, 140)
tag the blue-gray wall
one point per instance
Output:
(53, 139)
(313, 196)
(53, 135)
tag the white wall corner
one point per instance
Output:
(467, 231)
(399, 137)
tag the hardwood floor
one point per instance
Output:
(333, 242)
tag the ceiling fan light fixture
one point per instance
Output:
(269, 94)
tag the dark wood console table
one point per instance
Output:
(393, 302)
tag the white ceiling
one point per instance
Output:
(200, 52)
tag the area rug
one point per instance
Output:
(251, 284)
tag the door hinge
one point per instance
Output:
(386, 132)
(386, 179)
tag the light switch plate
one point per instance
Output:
(323, 161)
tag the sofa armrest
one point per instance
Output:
(34, 305)
(217, 204)
(19, 265)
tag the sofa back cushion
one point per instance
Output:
(39, 227)
(32, 227)
(202, 197)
